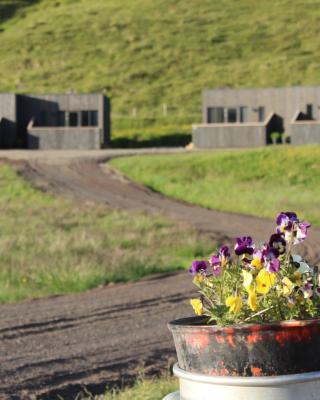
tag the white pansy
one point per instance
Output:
(296, 258)
(304, 268)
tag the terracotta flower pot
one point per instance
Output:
(279, 348)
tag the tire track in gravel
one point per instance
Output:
(57, 345)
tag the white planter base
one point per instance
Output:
(172, 396)
(304, 386)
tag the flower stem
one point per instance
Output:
(221, 285)
(257, 314)
(288, 254)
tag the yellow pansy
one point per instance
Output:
(256, 262)
(198, 279)
(287, 287)
(197, 306)
(247, 278)
(252, 299)
(297, 278)
(234, 303)
(264, 280)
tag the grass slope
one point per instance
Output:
(50, 245)
(146, 53)
(259, 182)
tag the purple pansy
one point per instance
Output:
(284, 217)
(246, 262)
(247, 259)
(197, 266)
(270, 260)
(285, 221)
(302, 232)
(219, 260)
(224, 255)
(307, 290)
(244, 245)
(253, 261)
(278, 242)
(294, 231)
(216, 264)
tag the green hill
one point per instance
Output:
(147, 53)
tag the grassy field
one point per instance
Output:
(144, 54)
(50, 245)
(258, 182)
(145, 389)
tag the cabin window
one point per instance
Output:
(93, 118)
(309, 111)
(84, 118)
(215, 115)
(232, 115)
(243, 111)
(73, 119)
(218, 115)
(261, 114)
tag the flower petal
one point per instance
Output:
(247, 278)
(197, 306)
(304, 268)
(296, 258)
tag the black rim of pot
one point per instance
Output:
(199, 322)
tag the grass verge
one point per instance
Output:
(50, 245)
(258, 182)
(145, 389)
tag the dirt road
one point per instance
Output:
(56, 345)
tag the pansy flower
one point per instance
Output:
(224, 255)
(234, 303)
(252, 299)
(302, 232)
(257, 259)
(197, 306)
(270, 260)
(247, 279)
(198, 266)
(303, 266)
(278, 242)
(307, 290)
(287, 287)
(264, 281)
(198, 280)
(220, 260)
(244, 245)
(293, 230)
(285, 221)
